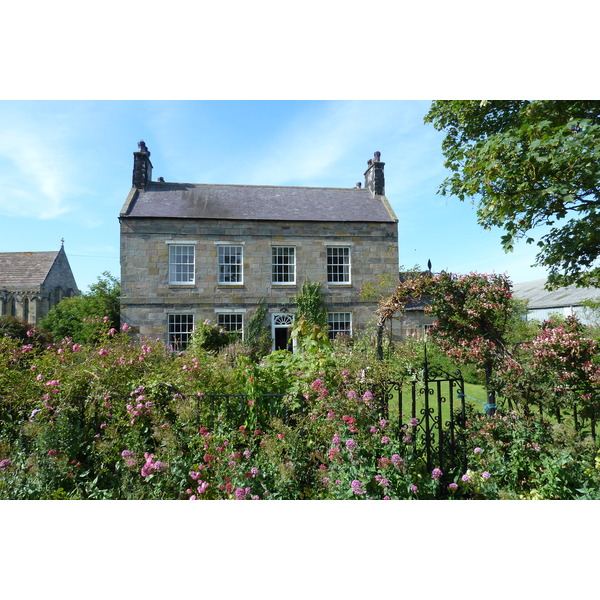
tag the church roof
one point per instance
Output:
(258, 203)
(25, 269)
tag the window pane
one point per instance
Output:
(181, 264)
(283, 264)
(230, 260)
(338, 265)
(180, 330)
(339, 323)
(232, 322)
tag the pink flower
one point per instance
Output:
(357, 488)
(485, 475)
(436, 474)
(241, 493)
(413, 488)
(125, 327)
(350, 445)
(102, 352)
(281, 435)
(333, 452)
(477, 450)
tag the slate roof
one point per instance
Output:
(259, 203)
(541, 298)
(25, 269)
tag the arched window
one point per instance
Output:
(26, 309)
(12, 307)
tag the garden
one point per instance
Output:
(101, 415)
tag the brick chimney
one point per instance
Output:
(142, 167)
(374, 179)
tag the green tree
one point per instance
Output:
(530, 164)
(82, 318)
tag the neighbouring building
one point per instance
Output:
(564, 301)
(31, 283)
(193, 252)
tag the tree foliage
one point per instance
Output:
(530, 164)
(82, 318)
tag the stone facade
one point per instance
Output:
(153, 306)
(31, 283)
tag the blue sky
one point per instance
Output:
(65, 170)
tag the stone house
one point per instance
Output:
(31, 283)
(195, 252)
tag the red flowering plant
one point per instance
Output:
(559, 369)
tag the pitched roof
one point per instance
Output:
(259, 203)
(539, 297)
(25, 269)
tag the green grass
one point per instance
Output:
(475, 396)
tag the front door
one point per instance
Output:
(281, 331)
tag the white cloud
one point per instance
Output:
(36, 176)
(317, 144)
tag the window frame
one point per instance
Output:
(274, 250)
(239, 265)
(191, 320)
(172, 264)
(334, 332)
(329, 264)
(231, 313)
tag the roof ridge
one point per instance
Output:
(265, 185)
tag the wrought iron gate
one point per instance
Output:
(431, 415)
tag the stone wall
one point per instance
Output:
(147, 297)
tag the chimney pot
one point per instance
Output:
(374, 179)
(142, 167)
